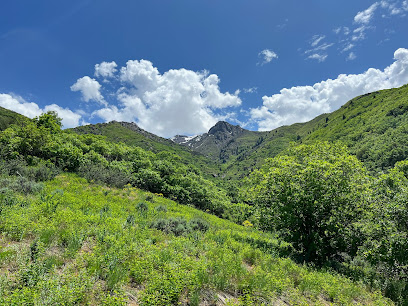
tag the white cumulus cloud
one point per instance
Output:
(267, 56)
(179, 101)
(303, 103)
(89, 88)
(105, 69)
(31, 109)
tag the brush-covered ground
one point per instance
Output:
(69, 242)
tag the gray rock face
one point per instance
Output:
(225, 128)
(218, 144)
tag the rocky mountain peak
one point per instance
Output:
(225, 127)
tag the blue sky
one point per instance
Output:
(177, 67)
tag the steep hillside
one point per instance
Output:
(374, 126)
(80, 243)
(8, 117)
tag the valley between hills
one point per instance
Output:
(314, 213)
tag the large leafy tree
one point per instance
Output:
(50, 121)
(313, 197)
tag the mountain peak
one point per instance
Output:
(225, 127)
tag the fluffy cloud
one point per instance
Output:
(31, 109)
(19, 105)
(267, 56)
(302, 103)
(69, 118)
(89, 88)
(176, 102)
(105, 69)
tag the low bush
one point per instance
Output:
(161, 208)
(180, 226)
(142, 207)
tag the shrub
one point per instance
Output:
(101, 174)
(7, 198)
(198, 224)
(179, 226)
(161, 208)
(149, 198)
(142, 207)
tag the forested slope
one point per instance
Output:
(131, 134)
(8, 117)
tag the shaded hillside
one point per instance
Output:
(8, 117)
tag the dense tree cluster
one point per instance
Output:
(323, 201)
(42, 141)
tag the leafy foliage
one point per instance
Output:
(43, 145)
(324, 201)
(312, 196)
(89, 246)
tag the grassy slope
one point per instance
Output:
(374, 126)
(115, 132)
(83, 243)
(8, 117)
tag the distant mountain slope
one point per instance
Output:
(222, 141)
(132, 134)
(374, 126)
(8, 117)
(240, 150)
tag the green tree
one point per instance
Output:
(50, 121)
(312, 196)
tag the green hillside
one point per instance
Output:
(80, 243)
(131, 134)
(374, 126)
(8, 117)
